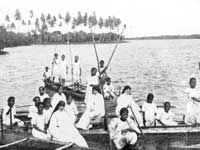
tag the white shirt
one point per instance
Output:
(38, 120)
(6, 117)
(108, 89)
(71, 108)
(42, 97)
(46, 74)
(191, 104)
(56, 98)
(63, 66)
(76, 68)
(94, 80)
(166, 117)
(32, 111)
(47, 114)
(150, 111)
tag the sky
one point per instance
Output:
(143, 17)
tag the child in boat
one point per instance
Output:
(46, 74)
(63, 70)
(165, 116)
(48, 110)
(9, 113)
(95, 109)
(61, 128)
(71, 108)
(125, 100)
(42, 93)
(33, 109)
(92, 81)
(192, 115)
(55, 68)
(123, 130)
(149, 110)
(108, 89)
(58, 97)
(76, 71)
(38, 123)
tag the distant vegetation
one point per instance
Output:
(192, 36)
(48, 28)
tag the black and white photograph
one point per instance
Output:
(100, 75)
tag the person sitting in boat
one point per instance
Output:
(63, 70)
(149, 110)
(38, 122)
(46, 74)
(58, 97)
(48, 110)
(103, 74)
(9, 113)
(123, 131)
(108, 89)
(192, 115)
(55, 68)
(165, 117)
(42, 93)
(125, 100)
(71, 108)
(76, 72)
(95, 109)
(93, 80)
(33, 109)
(61, 127)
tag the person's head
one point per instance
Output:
(124, 114)
(93, 71)
(11, 101)
(167, 106)
(95, 90)
(36, 100)
(76, 58)
(60, 106)
(60, 89)
(127, 90)
(101, 63)
(41, 90)
(47, 102)
(69, 99)
(40, 108)
(46, 69)
(108, 80)
(56, 55)
(63, 57)
(150, 98)
(193, 82)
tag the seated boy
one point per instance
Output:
(33, 109)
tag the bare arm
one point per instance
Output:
(38, 129)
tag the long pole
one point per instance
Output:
(71, 58)
(10, 118)
(2, 123)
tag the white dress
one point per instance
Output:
(39, 121)
(150, 110)
(72, 111)
(167, 118)
(56, 98)
(121, 139)
(6, 117)
(192, 115)
(108, 90)
(76, 72)
(56, 70)
(126, 101)
(95, 109)
(63, 69)
(92, 80)
(63, 129)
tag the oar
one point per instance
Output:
(13, 143)
(116, 45)
(65, 146)
(71, 58)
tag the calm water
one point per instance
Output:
(159, 66)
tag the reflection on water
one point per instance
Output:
(159, 66)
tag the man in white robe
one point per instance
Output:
(76, 70)
(55, 68)
(63, 75)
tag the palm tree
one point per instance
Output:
(12, 26)
(42, 18)
(67, 20)
(31, 13)
(85, 19)
(18, 18)
(7, 18)
(23, 23)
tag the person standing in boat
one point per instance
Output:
(63, 75)
(125, 100)
(58, 96)
(192, 115)
(149, 111)
(46, 74)
(95, 109)
(103, 73)
(61, 127)
(9, 113)
(48, 110)
(33, 109)
(55, 68)
(38, 122)
(42, 93)
(123, 131)
(93, 80)
(76, 72)
(165, 117)
(108, 89)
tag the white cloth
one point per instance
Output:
(63, 69)
(95, 109)
(150, 111)
(32, 111)
(56, 98)
(42, 97)
(92, 80)
(108, 90)
(39, 121)
(119, 138)
(167, 118)
(6, 117)
(126, 101)
(76, 71)
(46, 75)
(192, 115)
(63, 129)
(56, 70)
(47, 114)
(72, 111)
